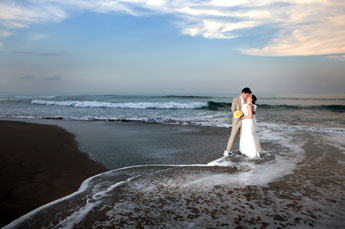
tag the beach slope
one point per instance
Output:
(38, 164)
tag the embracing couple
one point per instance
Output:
(243, 107)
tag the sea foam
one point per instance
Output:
(207, 121)
(271, 166)
(132, 105)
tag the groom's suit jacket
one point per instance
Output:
(236, 105)
(236, 122)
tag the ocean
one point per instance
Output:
(166, 166)
(320, 113)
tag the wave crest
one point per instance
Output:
(133, 105)
(209, 105)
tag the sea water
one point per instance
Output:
(322, 113)
(298, 182)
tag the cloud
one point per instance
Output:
(19, 15)
(27, 77)
(4, 33)
(53, 78)
(301, 27)
(35, 53)
(308, 33)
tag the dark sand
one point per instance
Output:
(38, 164)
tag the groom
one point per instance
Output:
(237, 104)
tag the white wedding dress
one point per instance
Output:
(249, 143)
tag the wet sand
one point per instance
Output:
(122, 144)
(246, 195)
(38, 164)
(311, 196)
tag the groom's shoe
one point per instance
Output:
(226, 153)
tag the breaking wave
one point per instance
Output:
(209, 105)
(132, 105)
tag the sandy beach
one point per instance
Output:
(160, 177)
(39, 164)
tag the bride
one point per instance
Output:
(249, 143)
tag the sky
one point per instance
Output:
(59, 47)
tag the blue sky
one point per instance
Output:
(171, 47)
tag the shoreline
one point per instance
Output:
(39, 163)
(121, 144)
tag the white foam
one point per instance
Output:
(223, 161)
(259, 174)
(137, 105)
(199, 120)
(256, 174)
(101, 194)
(286, 127)
(77, 216)
(47, 96)
(337, 141)
(39, 209)
(80, 214)
(84, 186)
(159, 120)
(81, 189)
(25, 116)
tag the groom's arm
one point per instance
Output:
(233, 105)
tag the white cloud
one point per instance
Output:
(14, 15)
(4, 33)
(304, 27)
(14, 25)
(217, 29)
(322, 38)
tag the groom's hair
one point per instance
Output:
(246, 90)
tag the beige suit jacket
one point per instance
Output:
(236, 105)
(236, 122)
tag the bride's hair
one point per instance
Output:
(254, 99)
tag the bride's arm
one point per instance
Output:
(250, 112)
